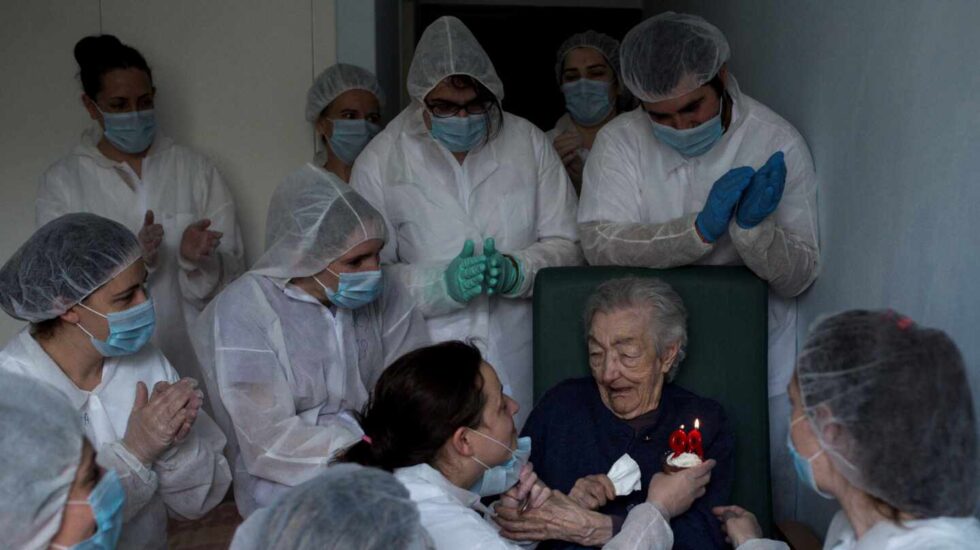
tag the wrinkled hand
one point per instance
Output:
(150, 237)
(529, 493)
(567, 145)
(156, 422)
(198, 242)
(738, 524)
(558, 518)
(465, 274)
(503, 274)
(593, 492)
(712, 221)
(675, 493)
(763, 194)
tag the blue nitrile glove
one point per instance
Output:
(464, 276)
(762, 196)
(504, 274)
(713, 220)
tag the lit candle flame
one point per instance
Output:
(682, 426)
(697, 424)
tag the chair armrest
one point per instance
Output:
(798, 536)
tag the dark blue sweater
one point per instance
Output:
(574, 434)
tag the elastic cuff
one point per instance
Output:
(135, 464)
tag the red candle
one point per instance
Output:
(694, 440)
(678, 441)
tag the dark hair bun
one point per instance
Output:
(91, 49)
(99, 54)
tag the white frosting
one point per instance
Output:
(684, 460)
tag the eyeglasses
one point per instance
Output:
(446, 109)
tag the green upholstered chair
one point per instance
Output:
(726, 352)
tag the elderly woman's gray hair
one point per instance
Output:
(668, 316)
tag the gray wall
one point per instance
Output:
(887, 93)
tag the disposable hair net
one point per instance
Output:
(336, 80)
(890, 403)
(602, 43)
(348, 507)
(63, 262)
(670, 55)
(314, 218)
(446, 48)
(40, 450)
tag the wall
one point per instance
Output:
(231, 80)
(886, 94)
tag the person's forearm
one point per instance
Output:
(789, 263)
(596, 530)
(661, 246)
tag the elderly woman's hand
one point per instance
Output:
(530, 492)
(593, 492)
(559, 518)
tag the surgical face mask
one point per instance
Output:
(497, 479)
(349, 138)
(106, 501)
(459, 134)
(804, 466)
(693, 141)
(129, 330)
(354, 289)
(587, 101)
(131, 132)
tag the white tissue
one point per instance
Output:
(625, 475)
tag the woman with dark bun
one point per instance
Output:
(173, 198)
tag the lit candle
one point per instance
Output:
(678, 442)
(694, 440)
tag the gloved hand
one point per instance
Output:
(465, 274)
(504, 274)
(763, 194)
(156, 422)
(713, 220)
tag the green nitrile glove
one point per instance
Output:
(465, 274)
(503, 271)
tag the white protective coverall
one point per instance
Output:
(185, 482)
(512, 188)
(287, 368)
(181, 187)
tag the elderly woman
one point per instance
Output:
(345, 508)
(636, 337)
(80, 282)
(882, 421)
(52, 493)
(588, 73)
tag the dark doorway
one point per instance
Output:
(522, 42)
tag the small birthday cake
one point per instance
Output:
(674, 464)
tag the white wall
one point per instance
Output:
(888, 96)
(231, 80)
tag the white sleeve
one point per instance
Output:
(139, 482)
(763, 544)
(52, 199)
(611, 222)
(784, 249)
(644, 529)
(199, 283)
(424, 282)
(557, 235)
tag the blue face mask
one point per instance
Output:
(131, 132)
(129, 330)
(695, 141)
(497, 479)
(354, 289)
(459, 134)
(349, 137)
(106, 501)
(587, 101)
(804, 466)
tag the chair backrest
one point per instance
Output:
(726, 352)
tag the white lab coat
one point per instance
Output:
(181, 187)
(188, 480)
(562, 125)
(513, 189)
(288, 371)
(455, 518)
(935, 534)
(640, 198)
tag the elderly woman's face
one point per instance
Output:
(624, 361)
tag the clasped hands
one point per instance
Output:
(468, 275)
(163, 419)
(748, 195)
